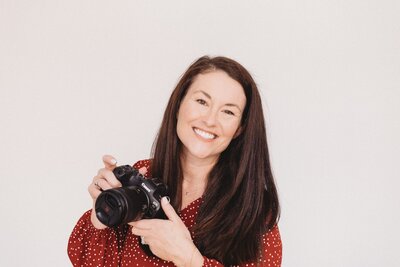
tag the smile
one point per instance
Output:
(205, 135)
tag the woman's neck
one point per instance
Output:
(195, 170)
(195, 174)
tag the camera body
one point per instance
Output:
(138, 198)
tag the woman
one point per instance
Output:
(211, 152)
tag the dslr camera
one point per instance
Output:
(138, 198)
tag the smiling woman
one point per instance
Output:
(210, 114)
(212, 153)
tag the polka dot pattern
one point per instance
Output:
(89, 246)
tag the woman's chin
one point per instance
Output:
(201, 155)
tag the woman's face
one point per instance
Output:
(210, 114)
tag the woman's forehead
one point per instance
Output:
(218, 85)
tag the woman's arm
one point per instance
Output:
(272, 248)
(89, 246)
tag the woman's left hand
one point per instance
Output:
(169, 239)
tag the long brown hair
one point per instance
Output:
(240, 202)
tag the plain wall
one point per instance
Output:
(79, 79)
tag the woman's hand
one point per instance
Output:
(105, 179)
(169, 239)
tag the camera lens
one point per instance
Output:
(121, 205)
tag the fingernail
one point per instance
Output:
(113, 161)
(166, 198)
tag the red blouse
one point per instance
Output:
(89, 246)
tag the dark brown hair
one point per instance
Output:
(240, 202)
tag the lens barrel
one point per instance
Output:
(121, 205)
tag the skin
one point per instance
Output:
(213, 104)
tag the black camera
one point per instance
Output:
(138, 198)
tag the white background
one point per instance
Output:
(79, 79)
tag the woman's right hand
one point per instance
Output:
(105, 179)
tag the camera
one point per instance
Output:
(138, 198)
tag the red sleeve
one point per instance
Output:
(211, 262)
(271, 248)
(89, 246)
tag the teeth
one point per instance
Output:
(204, 134)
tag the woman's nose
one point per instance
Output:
(211, 117)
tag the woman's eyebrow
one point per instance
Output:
(204, 93)
(209, 97)
(233, 105)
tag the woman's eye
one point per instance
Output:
(229, 112)
(201, 101)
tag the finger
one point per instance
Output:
(140, 232)
(144, 224)
(102, 184)
(93, 191)
(169, 210)
(109, 162)
(109, 177)
(97, 186)
(143, 170)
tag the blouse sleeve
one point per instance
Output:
(89, 246)
(271, 255)
(272, 249)
(211, 263)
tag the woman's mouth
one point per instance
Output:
(204, 134)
